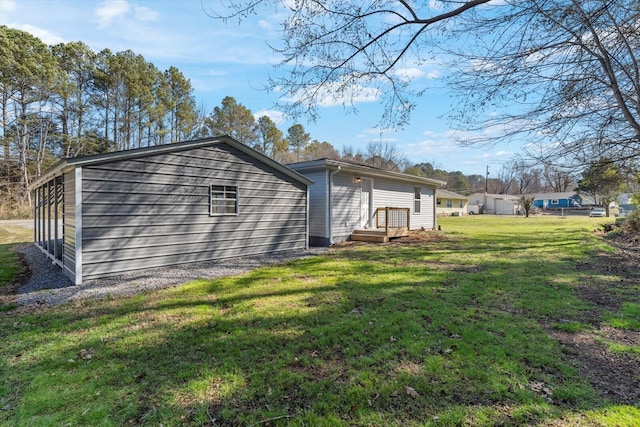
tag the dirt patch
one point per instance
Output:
(421, 236)
(611, 279)
(617, 376)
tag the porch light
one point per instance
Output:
(357, 179)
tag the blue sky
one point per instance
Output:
(234, 59)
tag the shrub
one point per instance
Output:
(631, 224)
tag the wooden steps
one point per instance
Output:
(378, 236)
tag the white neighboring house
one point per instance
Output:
(346, 198)
(493, 204)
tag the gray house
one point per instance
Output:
(202, 200)
(350, 201)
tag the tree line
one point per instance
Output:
(66, 100)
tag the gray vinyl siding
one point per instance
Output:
(154, 211)
(400, 195)
(346, 206)
(69, 219)
(318, 204)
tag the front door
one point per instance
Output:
(366, 202)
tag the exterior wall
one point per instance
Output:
(69, 220)
(345, 202)
(345, 205)
(400, 195)
(496, 204)
(443, 210)
(318, 207)
(154, 211)
(560, 203)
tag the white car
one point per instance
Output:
(598, 213)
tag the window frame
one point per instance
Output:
(222, 203)
(417, 200)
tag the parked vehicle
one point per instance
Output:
(598, 213)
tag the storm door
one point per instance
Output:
(366, 202)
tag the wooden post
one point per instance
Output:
(408, 219)
(386, 221)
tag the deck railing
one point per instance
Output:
(389, 217)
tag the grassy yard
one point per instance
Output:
(10, 265)
(462, 327)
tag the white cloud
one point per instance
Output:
(46, 36)
(433, 74)
(278, 117)
(7, 6)
(216, 72)
(334, 94)
(110, 11)
(145, 14)
(265, 25)
(409, 74)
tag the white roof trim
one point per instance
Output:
(362, 169)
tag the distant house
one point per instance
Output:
(557, 200)
(493, 204)
(202, 200)
(625, 203)
(450, 203)
(346, 199)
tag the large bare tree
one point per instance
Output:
(564, 74)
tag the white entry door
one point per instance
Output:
(366, 202)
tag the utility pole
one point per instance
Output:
(486, 189)
(486, 181)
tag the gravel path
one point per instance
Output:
(48, 286)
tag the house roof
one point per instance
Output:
(480, 196)
(363, 169)
(446, 194)
(554, 196)
(65, 164)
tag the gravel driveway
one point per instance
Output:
(48, 286)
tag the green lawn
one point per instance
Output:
(10, 265)
(452, 331)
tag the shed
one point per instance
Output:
(201, 200)
(352, 201)
(494, 204)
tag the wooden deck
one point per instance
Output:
(378, 235)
